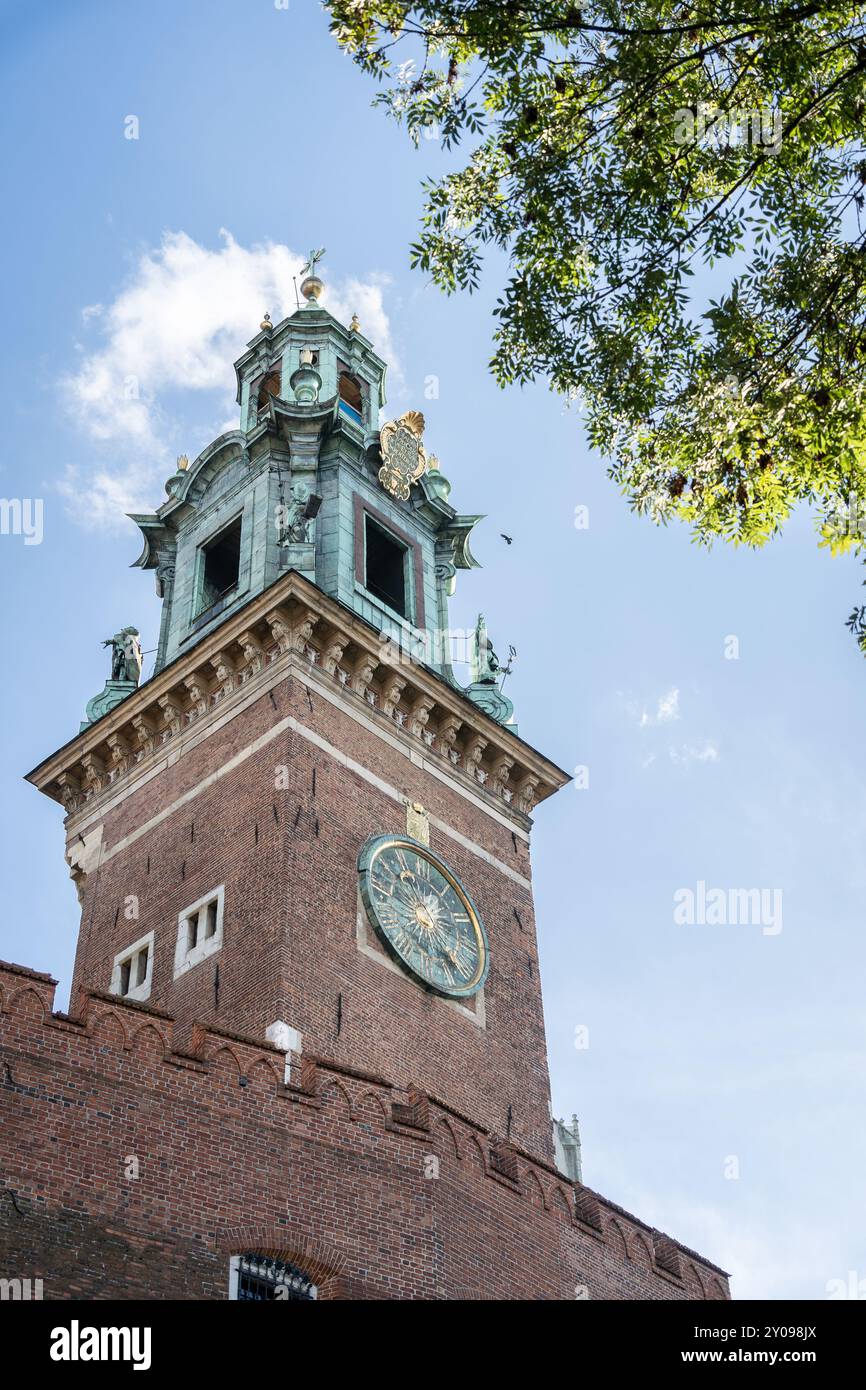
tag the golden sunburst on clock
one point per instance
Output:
(423, 915)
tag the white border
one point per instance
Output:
(185, 960)
(138, 992)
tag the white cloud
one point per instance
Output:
(686, 753)
(667, 709)
(179, 323)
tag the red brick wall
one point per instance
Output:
(288, 859)
(320, 1172)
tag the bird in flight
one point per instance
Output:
(508, 539)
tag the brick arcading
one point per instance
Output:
(313, 1170)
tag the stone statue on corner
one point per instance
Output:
(126, 663)
(488, 673)
(486, 668)
(126, 656)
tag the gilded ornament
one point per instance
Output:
(403, 457)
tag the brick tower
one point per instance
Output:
(305, 1052)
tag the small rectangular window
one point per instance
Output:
(385, 567)
(199, 931)
(132, 968)
(220, 561)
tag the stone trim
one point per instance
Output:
(293, 622)
(76, 828)
(138, 992)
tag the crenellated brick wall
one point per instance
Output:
(132, 1169)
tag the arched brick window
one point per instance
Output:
(262, 1279)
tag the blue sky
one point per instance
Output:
(707, 1043)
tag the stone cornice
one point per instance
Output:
(292, 622)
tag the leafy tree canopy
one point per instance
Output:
(610, 150)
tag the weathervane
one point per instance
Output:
(311, 285)
(506, 670)
(309, 266)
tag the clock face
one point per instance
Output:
(423, 915)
